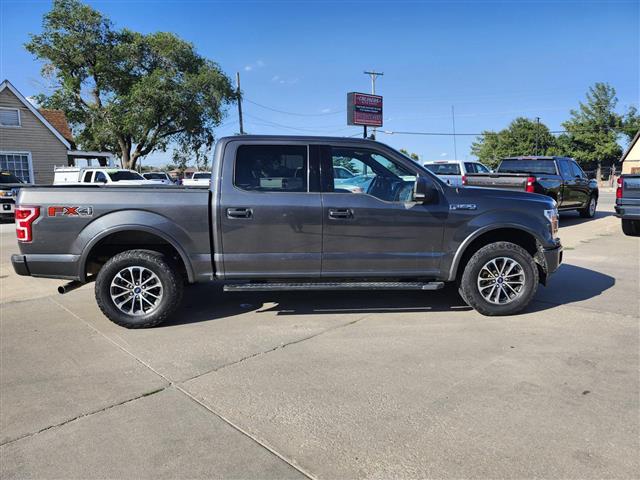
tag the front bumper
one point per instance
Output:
(552, 259)
(48, 266)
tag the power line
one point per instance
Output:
(294, 113)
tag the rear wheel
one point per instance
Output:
(500, 279)
(590, 210)
(138, 289)
(631, 227)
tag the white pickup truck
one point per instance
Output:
(198, 179)
(103, 175)
(454, 172)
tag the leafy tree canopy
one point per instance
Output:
(126, 92)
(522, 137)
(413, 156)
(592, 130)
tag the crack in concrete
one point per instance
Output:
(277, 347)
(83, 415)
(177, 386)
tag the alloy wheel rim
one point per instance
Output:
(136, 291)
(592, 206)
(501, 280)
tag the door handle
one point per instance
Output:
(239, 213)
(340, 213)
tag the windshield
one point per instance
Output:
(547, 167)
(118, 175)
(200, 175)
(444, 168)
(155, 176)
(6, 177)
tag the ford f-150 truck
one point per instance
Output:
(560, 178)
(274, 218)
(628, 204)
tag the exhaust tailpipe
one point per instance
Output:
(67, 287)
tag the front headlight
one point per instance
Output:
(552, 216)
(6, 193)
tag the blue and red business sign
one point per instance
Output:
(364, 109)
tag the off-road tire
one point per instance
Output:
(631, 227)
(586, 212)
(469, 287)
(171, 280)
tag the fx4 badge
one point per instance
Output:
(463, 206)
(65, 211)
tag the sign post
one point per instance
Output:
(364, 109)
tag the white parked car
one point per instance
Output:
(161, 177)
(454, 172)
(103, 175)
(198, 179)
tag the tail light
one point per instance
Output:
(25, 216)
(530, 185)
(464, 179)
(619, 189)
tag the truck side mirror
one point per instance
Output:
(424, 191)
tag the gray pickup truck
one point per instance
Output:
(628, 204)
(276, 217)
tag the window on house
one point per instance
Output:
(17, 164)
(9, 117)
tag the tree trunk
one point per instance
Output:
(125, 154)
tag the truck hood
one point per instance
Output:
(476, 194)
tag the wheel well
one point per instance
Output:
(122, 241)
(513, 235)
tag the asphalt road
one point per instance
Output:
(331, 385)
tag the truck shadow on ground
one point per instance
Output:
(568, 219)
(207, 302)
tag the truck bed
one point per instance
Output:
(504, 181)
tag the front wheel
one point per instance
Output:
(138, 289)
(590, 210)
(500, 279)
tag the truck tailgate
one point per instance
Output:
(504, 181)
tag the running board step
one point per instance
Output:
(273, 286)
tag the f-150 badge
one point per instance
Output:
(69, 211)
(463, 206)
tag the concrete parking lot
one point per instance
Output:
(331, 385)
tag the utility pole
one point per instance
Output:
(537, 132)
(455, 146)
(373, 74)
(239, 94)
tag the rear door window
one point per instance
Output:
(87, 177)
(271, 168)
(565, 169)
(576, 170)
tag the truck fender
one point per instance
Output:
(132, 220)
(481, 231)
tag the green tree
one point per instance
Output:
(593, 129)
(522, 137)
(126, 92)
(630, 123)
(413, 156)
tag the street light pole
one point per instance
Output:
(374, 75)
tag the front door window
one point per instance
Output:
(372, 174)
